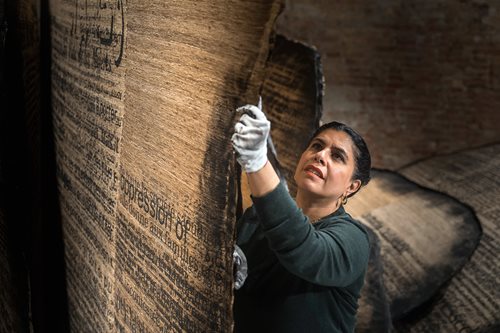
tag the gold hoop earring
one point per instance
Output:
(344, 200)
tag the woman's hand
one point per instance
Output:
(250, 143)
(250, 137)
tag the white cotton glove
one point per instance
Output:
(250, 137)
(240, 267)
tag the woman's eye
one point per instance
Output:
(316, 146)
(338, 157)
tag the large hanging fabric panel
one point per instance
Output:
(291, 99)
(417, 79)
(10, 317)
(292, 96)
(19, 163)
(88, 72)
(9, 297)
(425, 237)
(144, 95)
(186, 74)
(471, 301)
(374, 314)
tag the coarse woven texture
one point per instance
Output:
(144, 96)
(9, 311)
(415, 78)
(19, 163)
(189, 66)
(471, 301)
(88, 81)
(292, 97)
(28, 34)
(374, 314)
(425, 237)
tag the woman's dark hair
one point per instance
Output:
(362, 158)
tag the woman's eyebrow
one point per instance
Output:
(341, 151)
(320, 140)
(334, 148)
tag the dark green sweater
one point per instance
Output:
(303, 277)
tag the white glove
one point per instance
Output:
(250, 137)
(240, 267)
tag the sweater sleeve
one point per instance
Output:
(335, 255)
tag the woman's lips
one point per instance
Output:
(314, 170)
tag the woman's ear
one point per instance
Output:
(354, 187)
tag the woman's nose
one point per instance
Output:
(319, 157)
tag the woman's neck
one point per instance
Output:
(315, 208)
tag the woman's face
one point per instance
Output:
(326, 166)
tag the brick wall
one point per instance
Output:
(416, 79)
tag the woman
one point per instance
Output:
(306, 258)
